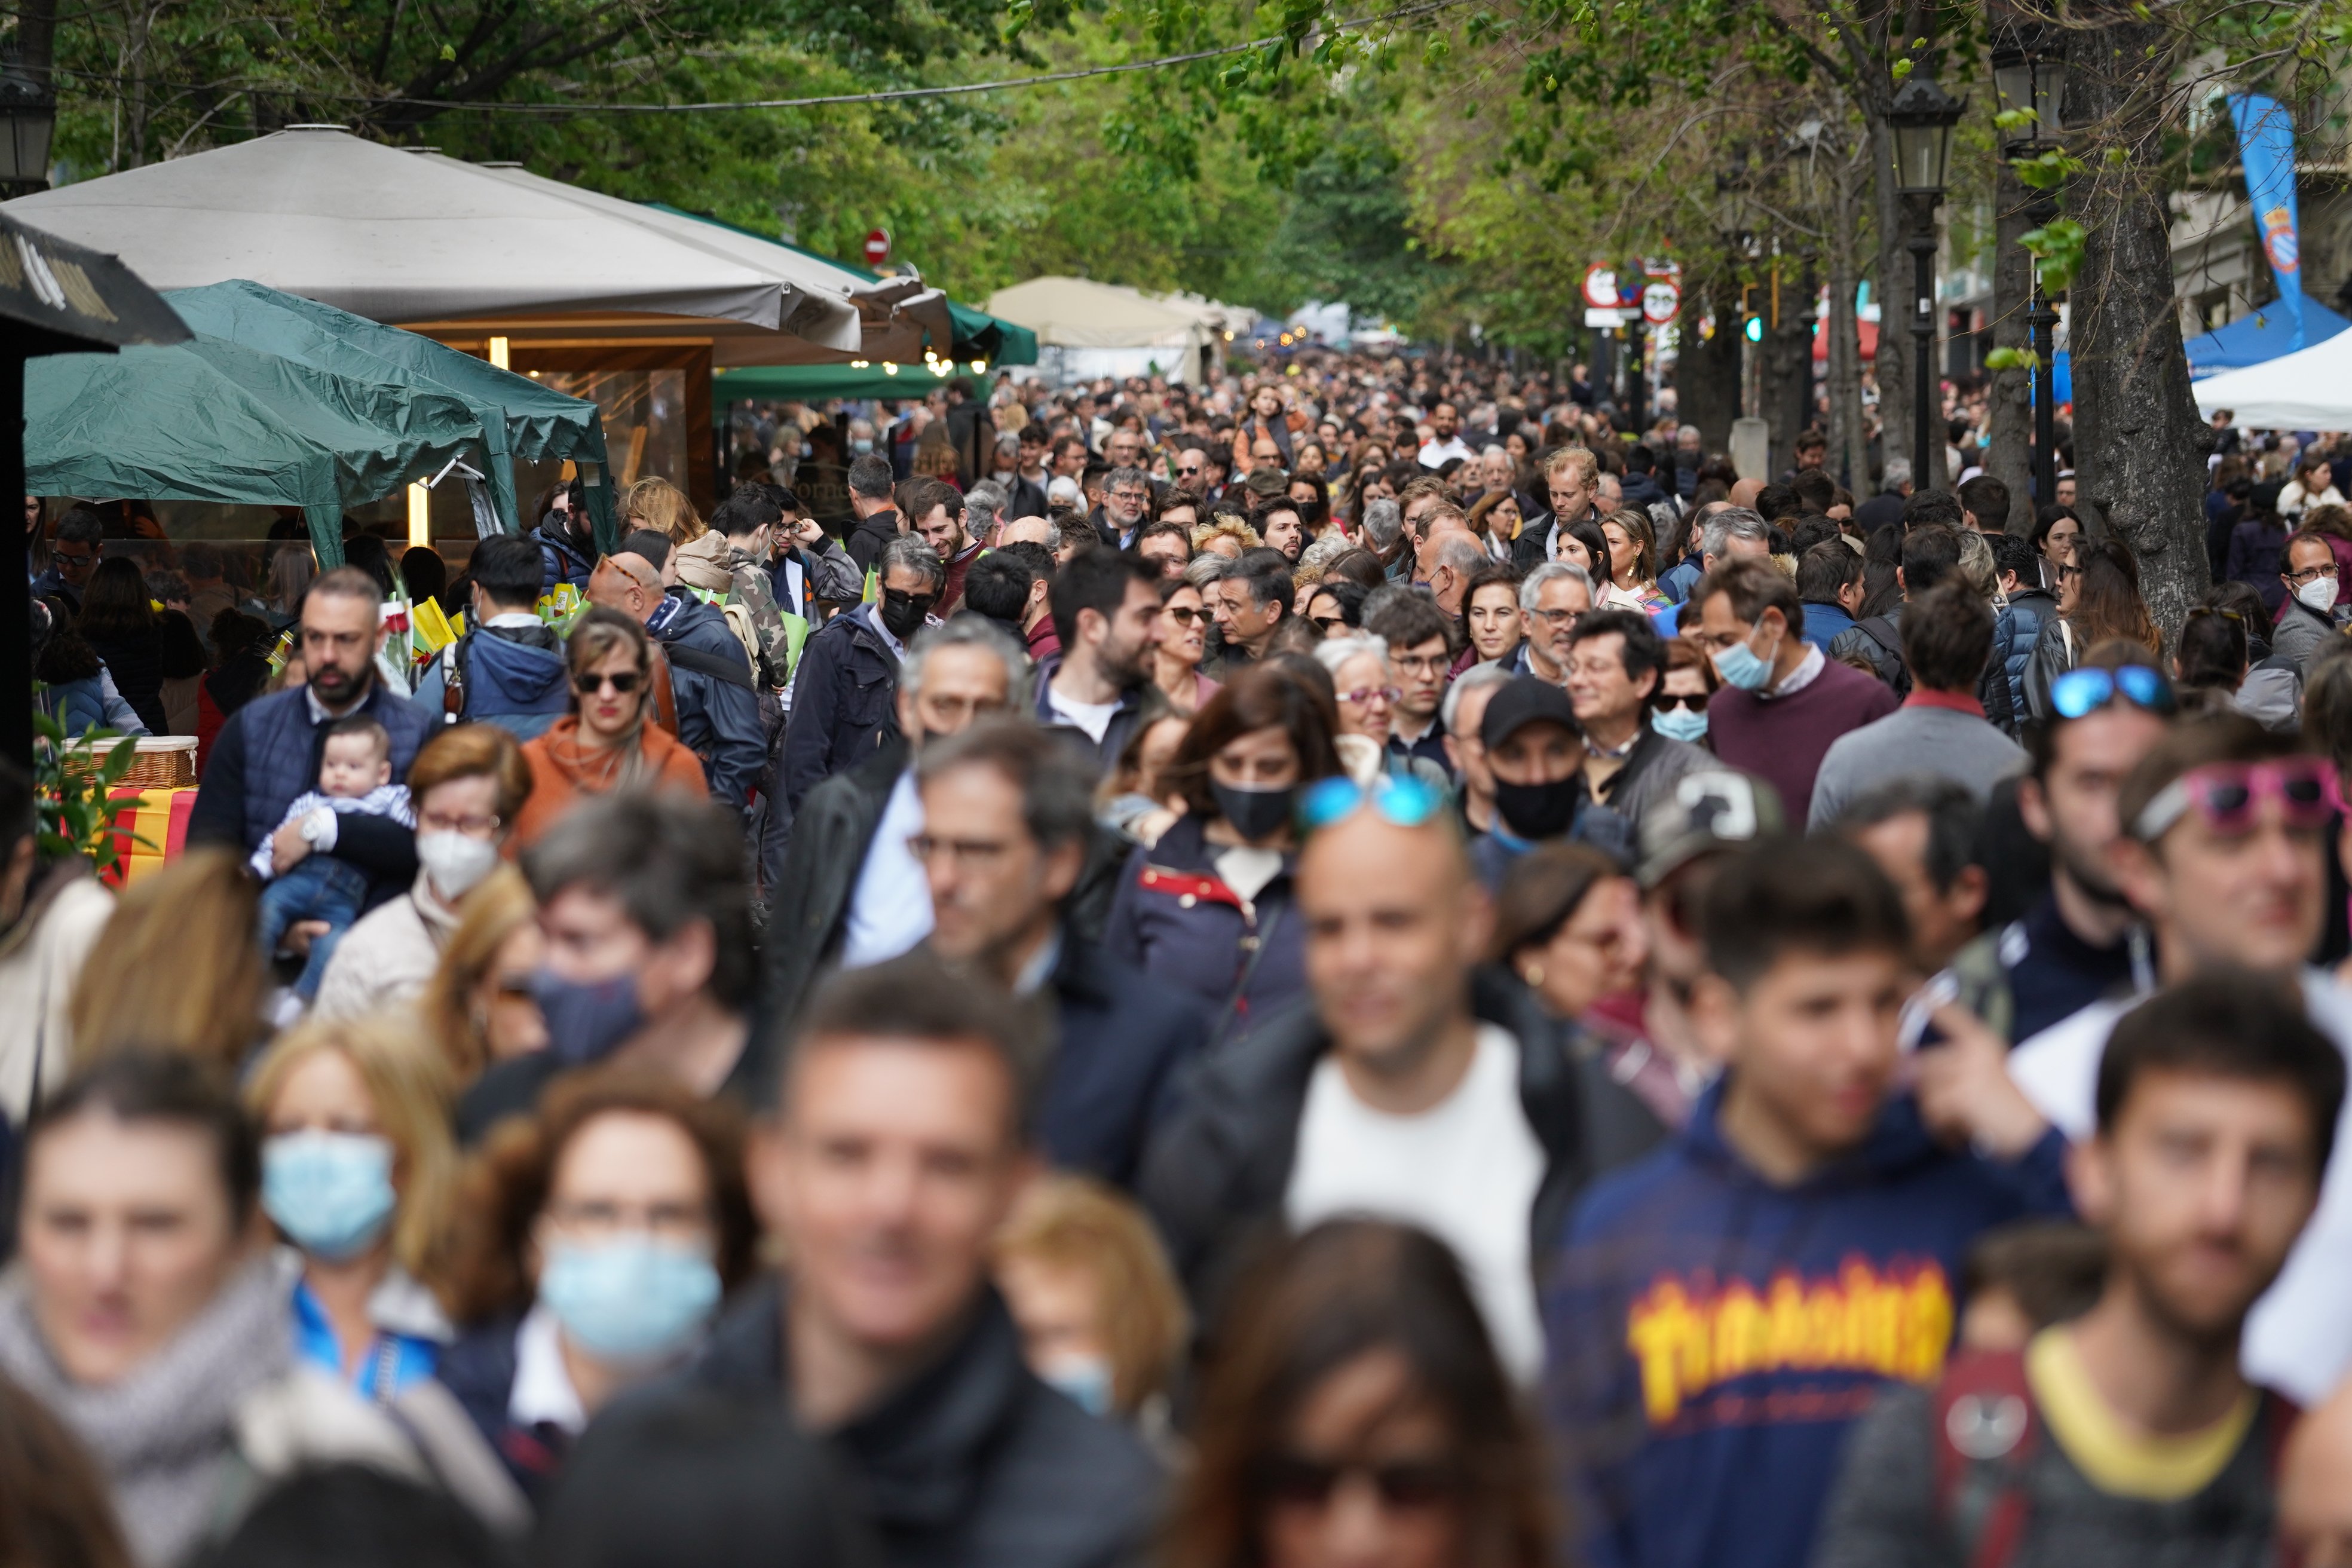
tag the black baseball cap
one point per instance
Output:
(1526, 700)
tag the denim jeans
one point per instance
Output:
(319, 888)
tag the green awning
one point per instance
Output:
(214, 420)
(519, 416)
(978, 334)
(811, 382)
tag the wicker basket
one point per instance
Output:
(160, 762)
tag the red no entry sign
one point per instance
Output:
(877, 248)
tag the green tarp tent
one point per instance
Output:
(519, 416)
(978, 334)
(214, 420)
(810, 383)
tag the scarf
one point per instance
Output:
(165, 1431)
(591, 769)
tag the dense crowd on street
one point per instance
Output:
(1362, 966)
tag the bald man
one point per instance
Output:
(1417, 1090)
(1745, 491)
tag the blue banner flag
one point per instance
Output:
(2266, 147)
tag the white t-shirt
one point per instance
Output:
(1094, 718)
(890, 907)
(1467, 1171)
(2299, 1335)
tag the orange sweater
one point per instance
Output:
(563, 774)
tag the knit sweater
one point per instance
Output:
(1782, 740)
(1941, 734)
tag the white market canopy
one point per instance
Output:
(2310, 389)
(1080, 313)
(411, 236)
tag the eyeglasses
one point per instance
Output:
(1183, 616)
(2228, 796)
(2079, 693)
(1406, 802)
(1691, 702)
(1189, 472)
(1292, 1481)
(2310, 572)
(1423, 663)
(625, 682)
(1364, 694)
(1556, 619)
(479, 825)
(1327, 624)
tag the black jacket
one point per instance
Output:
(1215, 1176)
(1116, 734)
(973, 1463)
(868, 540)
(830, 834)
(718, 716)
(844, 703)
(1122, 1039)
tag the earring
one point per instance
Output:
(1534, 973)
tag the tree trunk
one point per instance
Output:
(1848, 443)
(2009, 457)
(1892, 290)
(1706, 374)
(1788, 394)
(2139, 446)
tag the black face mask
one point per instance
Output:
(904, 613)
(1255, 814)
(1536, 812)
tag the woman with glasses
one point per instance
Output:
(596, 1240)
(1680, 713)
(1208, 906)
(1183, 642)
(1495, 520)
(2098, 602)
(608, 741)
(479, 1007)
(1355, 1412)
(467, 787)
(1491, 622)
(1333, 606)
(1368, 695)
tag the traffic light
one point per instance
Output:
(1755, 328)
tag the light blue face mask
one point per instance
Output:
(331, 1193)
(631, 1300)
(1680, 724)
(1743, 666)
(1086, 1380)
(861, 445)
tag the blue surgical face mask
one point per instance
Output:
(861, 445)
(630, 1299)
(586, 1020)
(331, 1193)
(1086, 1380)
(1680, 724)
(1743, 666)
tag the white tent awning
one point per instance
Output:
(404, 237)
(1080, 313)
(2310, 389)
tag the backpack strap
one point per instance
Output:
(718, 666)
(1986, 1436)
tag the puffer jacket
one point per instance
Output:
(718, 716)
(2055, 654)
(1175, 918)
(2015, 631)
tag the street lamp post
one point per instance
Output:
(28, 116)
(2028, 73)
(1921, 117)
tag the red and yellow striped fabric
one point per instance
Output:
(160, 817)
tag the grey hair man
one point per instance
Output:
(983, 506)
(1550, 599)
(1125, 498)
(1383, 531)
(842, 691)
(1463, 710)
(850, 892)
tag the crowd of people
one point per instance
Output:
(1352, 967)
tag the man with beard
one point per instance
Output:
(267, 752)
(2082, 942)
(1107, 613)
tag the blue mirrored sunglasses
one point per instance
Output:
(2083, 691)
(1407, 802)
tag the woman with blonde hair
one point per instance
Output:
(1087, 1281)
(1633, 563)
(178, 966)
(358, 1173)
(657, 504)
(608, 741)
(1225, 535)
(479, 1004)
(935, 456)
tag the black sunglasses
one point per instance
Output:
(625, 682)
(1696, 701)
(1296, 1481)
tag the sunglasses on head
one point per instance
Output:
(1406, 802)
(2079, 693)
(625, 682)
(1295, 1481)
(2228, 796)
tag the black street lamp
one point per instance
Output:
(28, 115)
(1921, 117)
(2028, 73)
